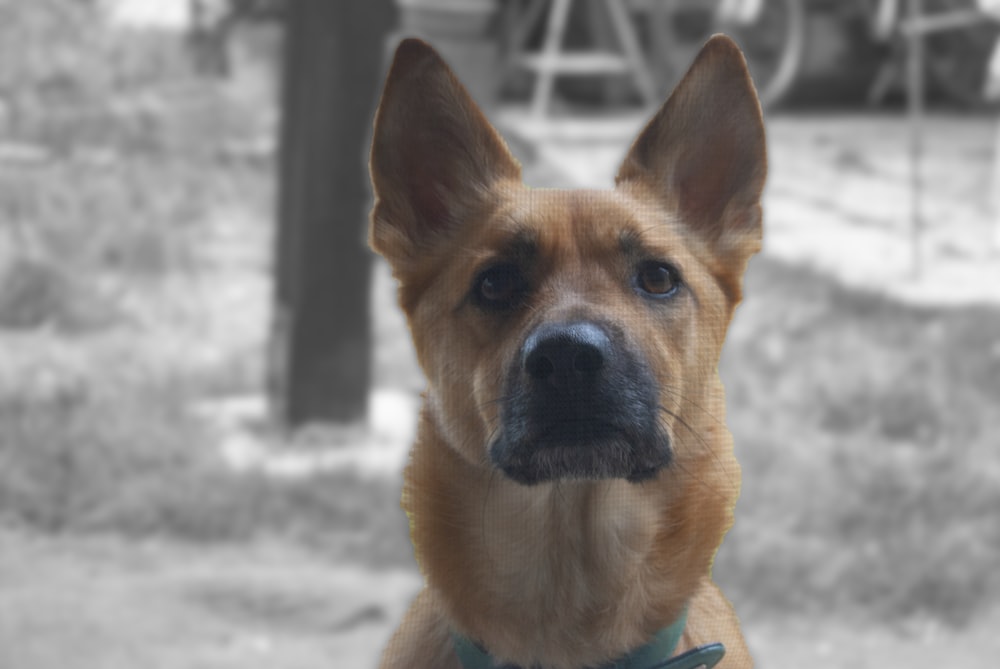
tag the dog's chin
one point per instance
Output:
(562, 458)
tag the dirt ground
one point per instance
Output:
(102, 603)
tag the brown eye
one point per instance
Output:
(657, 279)
(499, 287)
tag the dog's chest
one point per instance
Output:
(557, 546)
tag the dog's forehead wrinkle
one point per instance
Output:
(517, 242)
(577, 224)
(565, 223)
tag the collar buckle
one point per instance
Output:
(702, 657)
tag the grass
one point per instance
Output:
(132, 459)
(867, 431)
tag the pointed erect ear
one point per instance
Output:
(704, 153)
(434, 155)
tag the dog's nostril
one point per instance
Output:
(587, 360)
(539, 366)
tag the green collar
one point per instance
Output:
(654, 655)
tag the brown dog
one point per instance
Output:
(573, 476)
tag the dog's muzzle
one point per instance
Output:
(580, 405)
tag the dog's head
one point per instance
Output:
(569, 334)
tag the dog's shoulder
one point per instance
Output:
(710, 620)
(423, 640)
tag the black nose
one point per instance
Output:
(566, 355)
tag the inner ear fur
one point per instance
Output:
(704, 153)
(434, 155)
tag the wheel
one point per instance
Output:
(958, 59)
(770, 32)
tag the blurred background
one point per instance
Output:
(207, 391)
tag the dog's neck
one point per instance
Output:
(592, 578)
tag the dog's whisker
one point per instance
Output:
(694, 433)
(701, 440)
(682, 397)
(498, 400)
(712, 489)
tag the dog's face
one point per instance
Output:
(569, 334)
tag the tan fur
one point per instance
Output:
(567, 573)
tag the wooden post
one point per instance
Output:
(915, 99)
(321, 337)
(996, 191)
(993, 93)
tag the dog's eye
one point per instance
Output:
(499, 287)
(657, 279)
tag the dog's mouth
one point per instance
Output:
(581, 406)
(581, 450)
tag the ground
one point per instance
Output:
(101, 603)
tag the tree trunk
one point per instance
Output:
(320, 363)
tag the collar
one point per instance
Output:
(654, 655)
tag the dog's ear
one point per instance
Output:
(704, 154)
(434, 155)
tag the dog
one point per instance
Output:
(572, 476)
